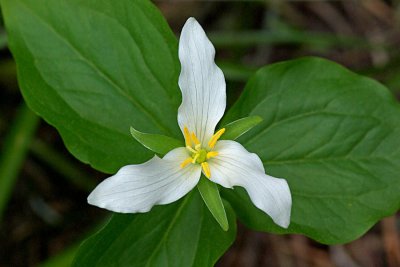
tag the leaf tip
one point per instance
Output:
(257, 119)
(134, 132)
(225, 227)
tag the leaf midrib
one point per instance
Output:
(167, 232)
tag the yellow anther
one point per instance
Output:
(206, 169)
(197, 147)
(215, 138)
(212, 154)
(195, 158)
(195, 139)
(186, 162)
(186, 133)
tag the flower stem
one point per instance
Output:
(14, 151)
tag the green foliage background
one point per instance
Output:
(94, 68)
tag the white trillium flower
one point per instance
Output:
(137, 188)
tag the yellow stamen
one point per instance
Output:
(206, 169)
(212, 154)
(195, 139)
(195, 158)
(191, 149)
(186, 162)
(186, 133)
(215, 138)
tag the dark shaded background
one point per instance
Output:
(47, 215)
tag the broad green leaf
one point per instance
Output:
(210, 194)
(158, 143)
(236, 128)
(180, 234)
(92, 68)
(334, 135)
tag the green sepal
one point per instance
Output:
(157, 143)
(210, 194)
(236, 128)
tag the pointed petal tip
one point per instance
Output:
(94, 200)
(190, 23)
(284, 224)
(283, 219)
(90, 199)
(191, 19)
(193, 29)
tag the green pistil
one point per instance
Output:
(202, 156)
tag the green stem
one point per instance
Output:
(15, 148)
(3, 40)
(320, 40)
(59, 163)
(236, 72)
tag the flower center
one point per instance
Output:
(198, 154)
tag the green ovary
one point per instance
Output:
(200, 156)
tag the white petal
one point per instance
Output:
(137, 188)
(201, 81)
(235, 166)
